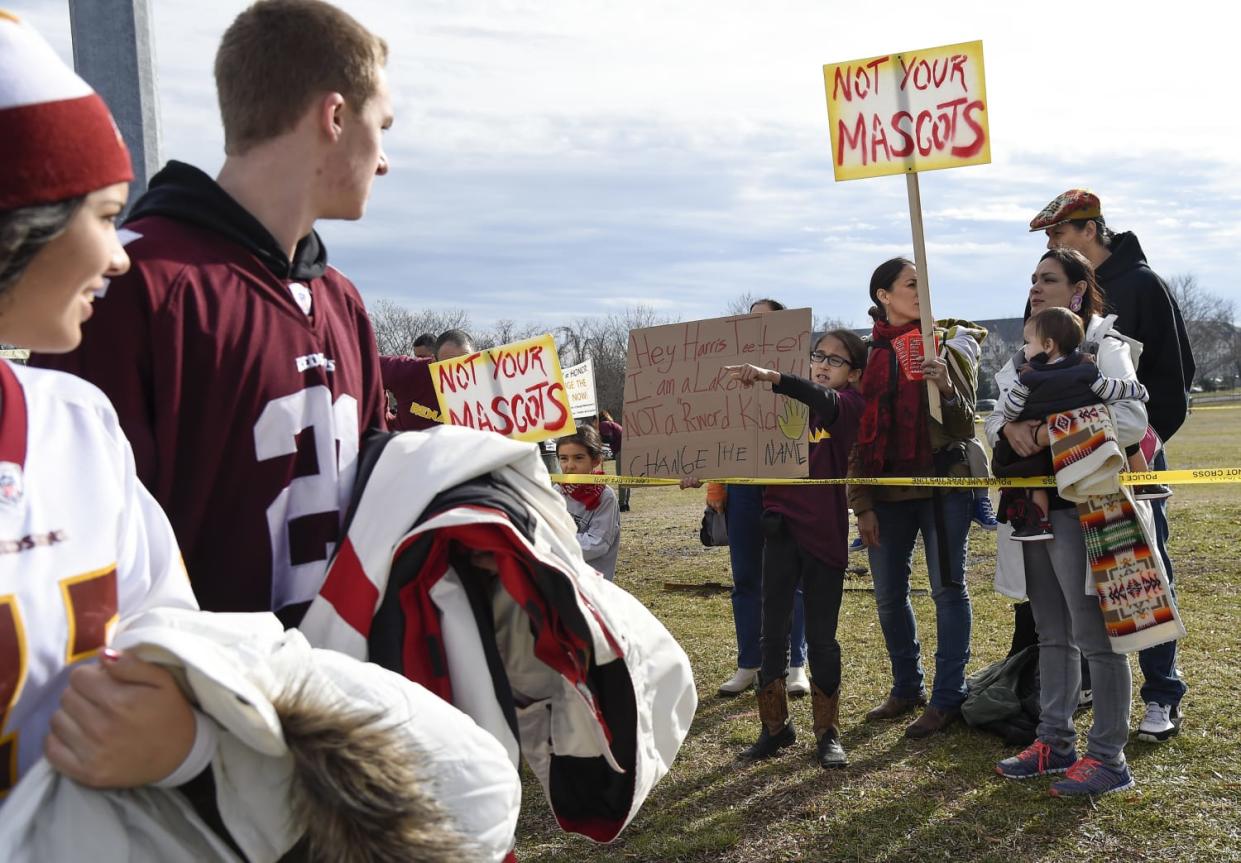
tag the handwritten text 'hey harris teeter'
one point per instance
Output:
(685, 416)
(683, 368)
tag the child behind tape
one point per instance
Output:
(1058, 377)
(593, 507)
(806, 530)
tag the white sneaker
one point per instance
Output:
(797, 684)
(1085, 698)
(1160, 723)
(738, 683)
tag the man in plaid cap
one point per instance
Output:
(1146, 311)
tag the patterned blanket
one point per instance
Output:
(1084, 453)
(1125, 567)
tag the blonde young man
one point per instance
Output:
(243, 367)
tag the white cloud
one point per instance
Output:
(553, 159)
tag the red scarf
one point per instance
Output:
(893, 435)
(588, 495)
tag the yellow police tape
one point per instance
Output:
(1200, 476)
(979, 419)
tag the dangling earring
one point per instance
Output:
(1075, 304)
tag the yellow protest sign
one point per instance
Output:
(516, 390)
(915, 111)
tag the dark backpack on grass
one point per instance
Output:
(714, 530)
(1003, 698)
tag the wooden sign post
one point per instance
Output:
(905, 113)
(924, 285)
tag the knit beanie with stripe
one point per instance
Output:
(58, 139)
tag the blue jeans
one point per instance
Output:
(745, 549)
(1161, 683)
(890, 563)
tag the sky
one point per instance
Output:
(552, 160)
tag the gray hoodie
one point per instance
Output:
(598, 531)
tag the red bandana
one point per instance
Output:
(588, 495)
(893, 433)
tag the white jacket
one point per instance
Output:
(1117, 356)
(239, 669)
(599, 712)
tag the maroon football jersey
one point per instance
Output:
(245, 412)
(409, 381)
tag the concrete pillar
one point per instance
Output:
(114, 50)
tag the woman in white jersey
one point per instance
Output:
(82, 544)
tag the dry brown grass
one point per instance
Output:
(938, 799)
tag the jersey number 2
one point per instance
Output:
(304, 519)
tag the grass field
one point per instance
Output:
(938, 799)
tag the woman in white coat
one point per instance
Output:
(1055, 575)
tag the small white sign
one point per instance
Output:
(579, 384)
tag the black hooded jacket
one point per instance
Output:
(1146, 311)
(183, 192)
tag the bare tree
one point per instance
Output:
(827, 322)
(741, 305)
(505, 331)
(606, 342)
(396, 327)
(1210, 324)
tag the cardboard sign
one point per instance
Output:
(685, 417)
(579, 383)
(516, 390)
(908, 347)
(917, 111)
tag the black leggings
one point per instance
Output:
(784, 565)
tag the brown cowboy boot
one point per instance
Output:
(829, 752)
(773, 712)
(932, 720)
(893, 707)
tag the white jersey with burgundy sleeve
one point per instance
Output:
(82, 546)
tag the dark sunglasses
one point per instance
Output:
(831, 359)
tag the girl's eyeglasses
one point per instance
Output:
(831, 359)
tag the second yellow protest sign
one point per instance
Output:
(915, 111)
(516, 390)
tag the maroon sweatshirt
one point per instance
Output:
(818, 515)
(245, 412)
(409, 380)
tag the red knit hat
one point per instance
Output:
(59, 140)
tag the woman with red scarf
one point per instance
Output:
(898, 437)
